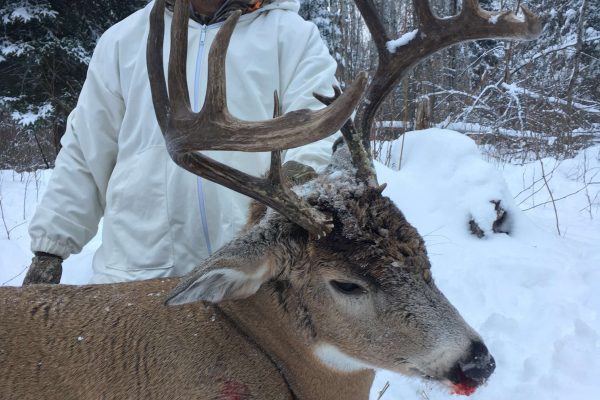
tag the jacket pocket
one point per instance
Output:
(137, 235)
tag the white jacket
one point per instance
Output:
(160, 220)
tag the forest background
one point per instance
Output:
(520, 101)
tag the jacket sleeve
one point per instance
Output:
(306, 68)
(68, 215)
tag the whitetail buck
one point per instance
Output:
(320, 289)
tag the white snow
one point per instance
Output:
(403, 40)
(19, 194)
(10, 48)
(21, 13)
(26, 12)
(32, 116)
(471, 128)
(533, 295)
(494, 18)
(516, 90)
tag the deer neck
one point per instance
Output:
(268, 327)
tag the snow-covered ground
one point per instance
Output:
(533, 295)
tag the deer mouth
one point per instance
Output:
(456, 380)
(461, 384)
(465, 378)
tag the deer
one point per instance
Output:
(327, 282)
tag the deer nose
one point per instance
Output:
(479, 365)
(473, 370)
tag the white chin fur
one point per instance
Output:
(336, 359)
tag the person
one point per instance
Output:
(158, 219)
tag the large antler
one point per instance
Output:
(214, 128)
(433, 34)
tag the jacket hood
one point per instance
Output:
(268, 5)
(289, 5)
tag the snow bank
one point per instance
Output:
(444, 183)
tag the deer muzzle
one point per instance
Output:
(472, 371)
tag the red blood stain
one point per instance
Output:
(232, 390)
(465, 390)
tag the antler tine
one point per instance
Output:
(378, 33)
(424, 13)
(361, 158)
(502, 25)
(433, 34)
(275, 171)
(216, 102)
(156, 70)
(470, 6)
(178, 89)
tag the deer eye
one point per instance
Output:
(348, 288)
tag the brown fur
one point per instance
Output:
(121, 342)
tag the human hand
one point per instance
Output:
(44, 268)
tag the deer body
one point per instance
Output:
(120, 341)
(275, 314)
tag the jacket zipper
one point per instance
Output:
(196, 108)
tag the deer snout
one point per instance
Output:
(473, 370)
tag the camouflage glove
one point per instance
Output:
(44, 268)
(297, 173)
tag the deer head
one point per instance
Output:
(334, 253)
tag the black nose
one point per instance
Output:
(473, 370)
(479, 365)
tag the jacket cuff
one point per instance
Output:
(57, 248)
(53, 233)
(43, 254)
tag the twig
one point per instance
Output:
(401, 151)
(532, 186)
(551, 196)
(2, 212)
(25, 196)
(553, 200)
(15, 277)
(383, 390)
(4, 220)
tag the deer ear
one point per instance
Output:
(236, 271)
(221, 283)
